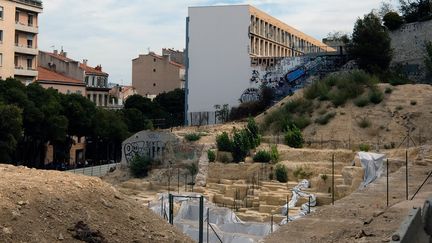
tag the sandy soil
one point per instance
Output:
(48, 206)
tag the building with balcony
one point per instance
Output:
(225, 46)
(18, 39)
(97, 84)
(153, 74)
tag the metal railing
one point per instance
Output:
(99, 170)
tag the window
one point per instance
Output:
(154, 84)
(93, 82)
(1, 12)
(86, 80)
(1, 60)
(1, 36)
(154, 70)
(17, 17)
(29, 63)
(30, 41)
(154, 59)
(30, 20)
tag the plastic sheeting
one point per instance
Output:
(373, 165)
(223, 220)
(297, 193)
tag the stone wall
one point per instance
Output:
(408, 44)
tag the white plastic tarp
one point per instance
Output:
(373, 165)
(297, 193)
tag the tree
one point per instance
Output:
(371, 44)
(10, 131)
(417, 10)
(79, 111)
(173, 103)
(136, 121)
(294, 137)
(385, 8)
(392, 20)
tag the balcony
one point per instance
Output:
(20, 71)
(26, 28)
(29, 50)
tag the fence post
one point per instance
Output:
(92, 170)
(171, 208)
(201, 219)
(287, 203)
(162, 206)
(271, 224)
(309, 205)
(333, 193)
(387, 188)
(178, 180)
(208, 222)
(406, 173)
(186, 183)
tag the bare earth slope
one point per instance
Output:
(406, 106)
(45, 206)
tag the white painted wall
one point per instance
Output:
(219, 61)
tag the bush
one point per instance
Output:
(324, 119)
(224, 142)
(211, 155)
(240, 145)
(376, 96)
(364, 123)
(262, 156)
(139, 165)
(294, 137)
(324, 177)
(364, 147)
(392, 20)
(192, 137)
(254, 136)
(281, 173)
(274, 153)
(301, 121)
(413, 102)
(388, 90)
(301, 173)
(361, 101)
(192, 168)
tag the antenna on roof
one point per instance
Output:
(148, 49)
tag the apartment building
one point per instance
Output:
(224, 47)
(97, 84)
(153, 74)
(18, 39)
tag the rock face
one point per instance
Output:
(148, 143)
(203, 165)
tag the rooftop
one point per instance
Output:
(54, 77)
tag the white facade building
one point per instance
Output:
(223, 43)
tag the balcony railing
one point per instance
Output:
(26, 27)
(26, 49)
(35, 3)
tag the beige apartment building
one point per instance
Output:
(18, 39)
(153, 74)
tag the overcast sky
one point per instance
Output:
(113, 32)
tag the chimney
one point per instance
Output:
(167, 57)
(99, 67)
(85, 61)
(56, 52)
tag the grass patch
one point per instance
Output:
(324, 119)
(361, 101)
(191, 137)
(364, 123)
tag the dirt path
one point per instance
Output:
(361, 216)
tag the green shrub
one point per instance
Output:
(413, 102)
(392, 20)
(211, 155)
(192, 168)
(281, 173)
(376, 96)
(192, 137)
(338, 97)
(361, 101)
(318, 89)
(324, 177)
(254, 135)
(274, 154)
(262, 156)
(224, 142)
(301, 121)
(140, 165)
(388, 90)
(240, 145)
(364, 123)
(364, 147)
(323, 120)
(294, 137)
(301, 173)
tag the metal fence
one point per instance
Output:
(98, 171)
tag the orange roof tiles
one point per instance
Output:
(51, 76)
(91, 70)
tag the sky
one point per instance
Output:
(113, 32)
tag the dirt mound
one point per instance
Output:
(49, 206)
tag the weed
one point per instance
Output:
(364, 123)
(361, 101)
(302, 173)
(364, 147)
